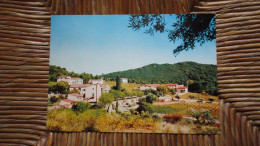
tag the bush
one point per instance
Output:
(172, 118)
(178, 97)
(148, 91)
(53, 99)
(211, 99)
(74, 91)
(150, 98)
(80, 106)
(191, 96)
(157, 118)
(186, 121)
(105, 99)
(200, 99)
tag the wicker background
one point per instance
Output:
(24, 64)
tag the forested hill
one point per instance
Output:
(200, 76)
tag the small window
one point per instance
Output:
(93, 89)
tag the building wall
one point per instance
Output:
(124, 81)
(105, 89)
(93, 91)
(76, 82)
(71, 97)
(96, 82)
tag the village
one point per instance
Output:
(92, 91)
(153, 105)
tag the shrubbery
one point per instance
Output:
(80, 106)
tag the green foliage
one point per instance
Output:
(162, 89)
(189, 28)
(53, 99)
(106, 99)
(211, 99)
(148, 91)
(118, 83)
(80, 106)
(55, 71)
(58, 87)
(204, 76)
(150, 98)
(178, 97)
(74, 90)
(172, 91)
(191, 96)
(204, 117)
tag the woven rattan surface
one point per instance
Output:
(24, 64)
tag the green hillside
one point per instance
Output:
(200, 76)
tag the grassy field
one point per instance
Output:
(198, 96)
(128, 87)
(99, 120)
(184, 108)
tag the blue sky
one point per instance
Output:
(103, 43)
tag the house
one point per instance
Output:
(124, 80)
(67, 103)
(96, 81)
(171, 86)
(75, 97)
(70, 80)
(182, 89)
(104, 88)
(91, 92)
(148, 86)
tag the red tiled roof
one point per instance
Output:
(76, 95)
(68, 100)
(181, 87)
(80, 85)
(76, 79)
(170, 84)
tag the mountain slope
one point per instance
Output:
(204, 76)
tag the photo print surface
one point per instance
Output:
(133, 73)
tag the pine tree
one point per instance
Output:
(118, 83)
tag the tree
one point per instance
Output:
(211, 99)
(172, 91)
(118, 83)
(191, 96)
(189, 28)
(58, 87)
(106, 99)
(80, 106)
(162, 89)
(150, 98)
(74, 91)
(61, 87)
(178, 97)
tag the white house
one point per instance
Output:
(104, 88)
(171, 86)
(182, 89)
(70, 80)
(124, 80)
(148, 86)
(91, 92)
(96, 81)
(75, 97)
